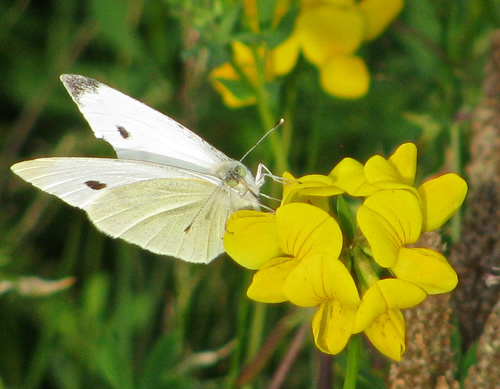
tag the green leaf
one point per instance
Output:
(161, 361)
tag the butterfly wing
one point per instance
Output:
(181, 217)
(137, 131)
(166, 210)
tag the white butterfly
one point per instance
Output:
(169, 191)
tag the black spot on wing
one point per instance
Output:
(123, 132)
(78, 85)
(95, 185)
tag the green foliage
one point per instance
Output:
(133, 320)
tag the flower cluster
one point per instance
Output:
(361, 271)
(327, 32)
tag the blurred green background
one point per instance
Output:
(136, 320)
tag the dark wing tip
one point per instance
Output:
(78, 85)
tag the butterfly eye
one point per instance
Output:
(240, 171)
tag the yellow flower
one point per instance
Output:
(379, 314)
(330, 33)
(327, 32)
(276, 62)
(276, 244)
(297, 257)
(391, 220)
(439, 198)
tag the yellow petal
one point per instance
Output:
(243, 55)
(349, 175)
(332, 326)
(328, 29)
(267, 284)
(381, 235)
(383, 174)
(441, 197)
(387, 334)
(426, 268)
(390, 219)
(220, 77)
(404, 161)
(289, 183)
(321, 277)
(317, 185)
(282, 59)
(304, 230)
(312, 189)
(345, 76)
(384, 295)
(292, 193)
(378, 15)
(251, 238)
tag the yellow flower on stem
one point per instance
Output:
(391, 220)
(439, 198)
(327, 32)
(297, 257)
(379, 314)
(330, 32)
(276, 244)
(296, 251)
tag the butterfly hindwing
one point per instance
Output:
(183, 218)
(148, 204)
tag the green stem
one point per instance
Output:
(353, 353)
(268, 119)
(456, 220)
(256, 330)
(364, 269)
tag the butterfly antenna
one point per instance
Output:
(277, 125)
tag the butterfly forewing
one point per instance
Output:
(137, 131)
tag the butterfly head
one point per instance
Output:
(236, 176)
